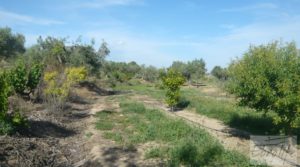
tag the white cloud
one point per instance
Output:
(126, 46)
(218, 50)
(221, 50)
(15, 18)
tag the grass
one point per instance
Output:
(147, 89)
(89, 134)
(225, 109)
(182, 144)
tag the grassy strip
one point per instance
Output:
(225, 110)
(181, 144)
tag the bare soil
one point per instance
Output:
(70, 138)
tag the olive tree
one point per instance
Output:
(219, 72)
(192, 70)
(267, 78)
(10, 44)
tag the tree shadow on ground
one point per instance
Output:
(100, 91)
(77, 99)
(75, 115)
(90, 163)
(113, 155)
(43, 129)
(257, 125)
(188, 154)
(181, 105)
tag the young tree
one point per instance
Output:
(172, 82)
(24, 79)
(267, 78)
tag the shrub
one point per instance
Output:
(24, 80)
(18, 78)
(34, 76)
(268, 78)
(172, 82)
(58, 85)
(8, 123)
(4, 90)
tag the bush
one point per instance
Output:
(8, 123)
(4, 90)
(24, 80)
(58, 85)
(18, 78)
(34, 77)
(172, 82)
(268, 78)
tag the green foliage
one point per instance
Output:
(122, 72)
(172, 82)
(181, 67)
(10, 44)
(25, 79)
(34, 76)
(268, 78)
(34, 54)
(19, 78)
(149, 74)
(103, 50)
(194, 70)
(85, 55)
(220, 73)
(8, 122)
(54, 51)
(4, 90)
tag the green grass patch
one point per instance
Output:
(145, 89)
(89, 134)
(183, 144)
(223, 109)
(156, 153)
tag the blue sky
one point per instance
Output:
(157, 32)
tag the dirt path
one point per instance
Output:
(69, 138)
(231, 138)
(104, 152)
